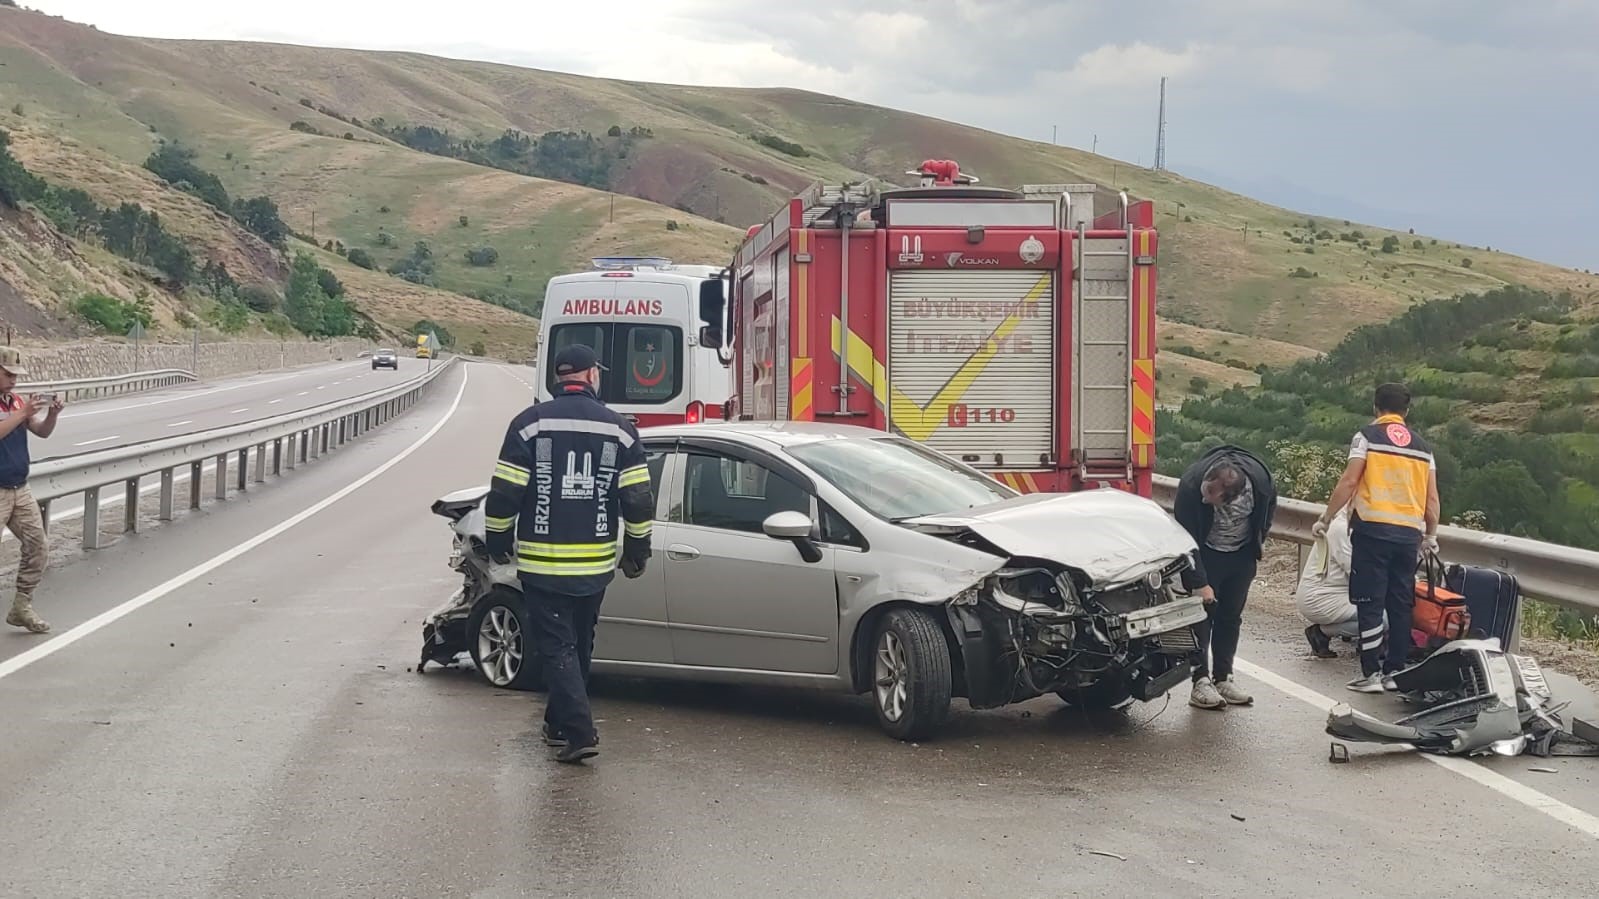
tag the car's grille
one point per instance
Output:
(1178, 642)
(1129, 599)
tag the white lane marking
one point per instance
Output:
(51, 647)
(186, 396)
(322, 387)
(302, 393)
(274, 402)
(237, 411)
(97, 440)
(179, 424)
(1577, 818)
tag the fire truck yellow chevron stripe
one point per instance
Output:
(918, 422)
(1143, 401)
(802, 382)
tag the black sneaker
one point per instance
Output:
(551, 739)
(1320, 643)
(570, 754)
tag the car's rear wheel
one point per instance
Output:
(500, 638)
(911, 680)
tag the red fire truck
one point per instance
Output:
(1011, 329)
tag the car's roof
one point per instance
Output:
(780, 433)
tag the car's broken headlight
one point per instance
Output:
(1039, 588)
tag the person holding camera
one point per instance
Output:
(18, 509)
(573, 484)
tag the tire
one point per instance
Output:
(911, 678)
(1104, 695)
(502, 617)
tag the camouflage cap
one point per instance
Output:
(11, 361)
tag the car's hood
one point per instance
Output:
(1110, 535)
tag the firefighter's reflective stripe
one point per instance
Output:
(638, 474)
(514, 474)
(1391, 500)
(638, 529)
(498, 525)
(566, 559)
(577, 426)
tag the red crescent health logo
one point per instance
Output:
(1399, 434)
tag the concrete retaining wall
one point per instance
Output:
(214, 360)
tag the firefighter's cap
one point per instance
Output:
(576, 359)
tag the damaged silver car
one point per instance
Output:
(842, 558)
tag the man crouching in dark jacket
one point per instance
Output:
(1225, 501)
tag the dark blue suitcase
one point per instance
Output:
(1493, 600)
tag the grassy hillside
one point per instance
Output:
(121, 96)
(1506, 387)
(327, 134)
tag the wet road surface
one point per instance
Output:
(255, 730)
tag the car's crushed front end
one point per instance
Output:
(1088, 602)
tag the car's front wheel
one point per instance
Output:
(911, 679)
(500, 637)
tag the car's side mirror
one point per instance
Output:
(795, 527)
(711, 337)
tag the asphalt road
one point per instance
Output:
(241, 720)
(86, 426)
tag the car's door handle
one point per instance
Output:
(682, 552)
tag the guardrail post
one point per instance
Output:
(244, 469)
(323, 433)
(130, 505)
(91, 518)
(196, 471)
(260, 463)
(44, 513)
(277, 457)
(222, 476)
(166, 494)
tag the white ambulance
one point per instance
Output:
(657, 327)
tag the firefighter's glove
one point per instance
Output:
(502, 558)
(631, 567)
(1319, 529)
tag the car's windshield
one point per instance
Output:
(896, 479)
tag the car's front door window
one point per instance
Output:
(736, 494)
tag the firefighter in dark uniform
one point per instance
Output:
(573, 483)
(1392, 482)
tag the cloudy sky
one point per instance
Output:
(1475, 120)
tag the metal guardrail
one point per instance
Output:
(290, 439)
(111, 385)
(1564, 575)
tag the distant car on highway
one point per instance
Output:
(836, 556)
(386, 359)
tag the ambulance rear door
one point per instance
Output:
(638, 325)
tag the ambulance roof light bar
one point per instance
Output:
(615, 263)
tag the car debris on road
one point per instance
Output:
(1476, 699)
